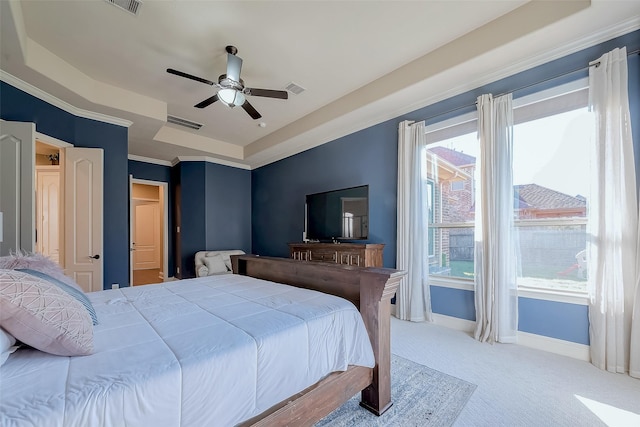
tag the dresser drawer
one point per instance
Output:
(350, 258)
(323, 255)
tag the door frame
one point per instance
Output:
(164, 225)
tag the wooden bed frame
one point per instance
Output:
(370, 290)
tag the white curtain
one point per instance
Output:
(413, 300)
(496, 298)
(613, 220)
(634, 362)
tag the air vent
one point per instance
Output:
(131, 6)
(182, 122)
(295, 88)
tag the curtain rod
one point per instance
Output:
(637, 51)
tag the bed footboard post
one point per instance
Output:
(376, 291)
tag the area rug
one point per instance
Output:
(421, 397)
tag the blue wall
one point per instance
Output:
(370, 157)
(153, 172)
(567, 322)
(192, 205)
(215, 210)
(19, 106)
(452, 302)
(279, 189)
(228, 208)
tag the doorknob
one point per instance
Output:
(95, 256)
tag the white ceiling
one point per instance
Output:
(361, 62)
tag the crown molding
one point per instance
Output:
(63, 105)
(210, 160)
(149, 160)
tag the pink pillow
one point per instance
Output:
(42, 315)
(37, 262)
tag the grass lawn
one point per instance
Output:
(461, 269)
(536, 278)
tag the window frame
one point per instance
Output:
(575, 297)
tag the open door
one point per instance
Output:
(83, 189)
(149, 222)
(17, 191)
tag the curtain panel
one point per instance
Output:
(413, 300)
(496, 298)
(612, 249)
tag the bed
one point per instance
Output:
(280, 355)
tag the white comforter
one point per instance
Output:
(211, 351)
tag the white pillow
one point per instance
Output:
(215, 264)
(203, 271)
(42, 315)
(7, 345)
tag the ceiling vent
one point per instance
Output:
(131, 6)
(295, 88)
(182, 122)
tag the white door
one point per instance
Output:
(83, 189)
(48, 211)
(17, 188)
(146, 235)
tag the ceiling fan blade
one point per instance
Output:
(252, 111)
(189, 76)
(207, 102)
(267, 93)
(234, 65)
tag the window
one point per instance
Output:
(550, 173)
(457, 185)
(550, 177)
(451, 160)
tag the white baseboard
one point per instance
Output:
(539, 342)
(554, 345)
(454, 322)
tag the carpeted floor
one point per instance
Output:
(421, 397)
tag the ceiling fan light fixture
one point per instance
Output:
(231, 97)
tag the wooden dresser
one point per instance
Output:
(360, 254)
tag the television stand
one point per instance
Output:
(359, 254)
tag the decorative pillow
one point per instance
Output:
(215, 264)
(79, 295)
(38, 262)
(7, 345)
(43, 316)
(203, 271)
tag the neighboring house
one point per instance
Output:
(451, 186)
(535, 201)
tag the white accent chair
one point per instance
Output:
(208, 263)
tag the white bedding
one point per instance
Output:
(212, 351)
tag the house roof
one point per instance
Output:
(456, 158)
(534, 196)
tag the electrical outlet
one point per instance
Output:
(115, 286)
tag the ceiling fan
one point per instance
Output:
(232, 91)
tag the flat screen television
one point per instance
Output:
(338, 214)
